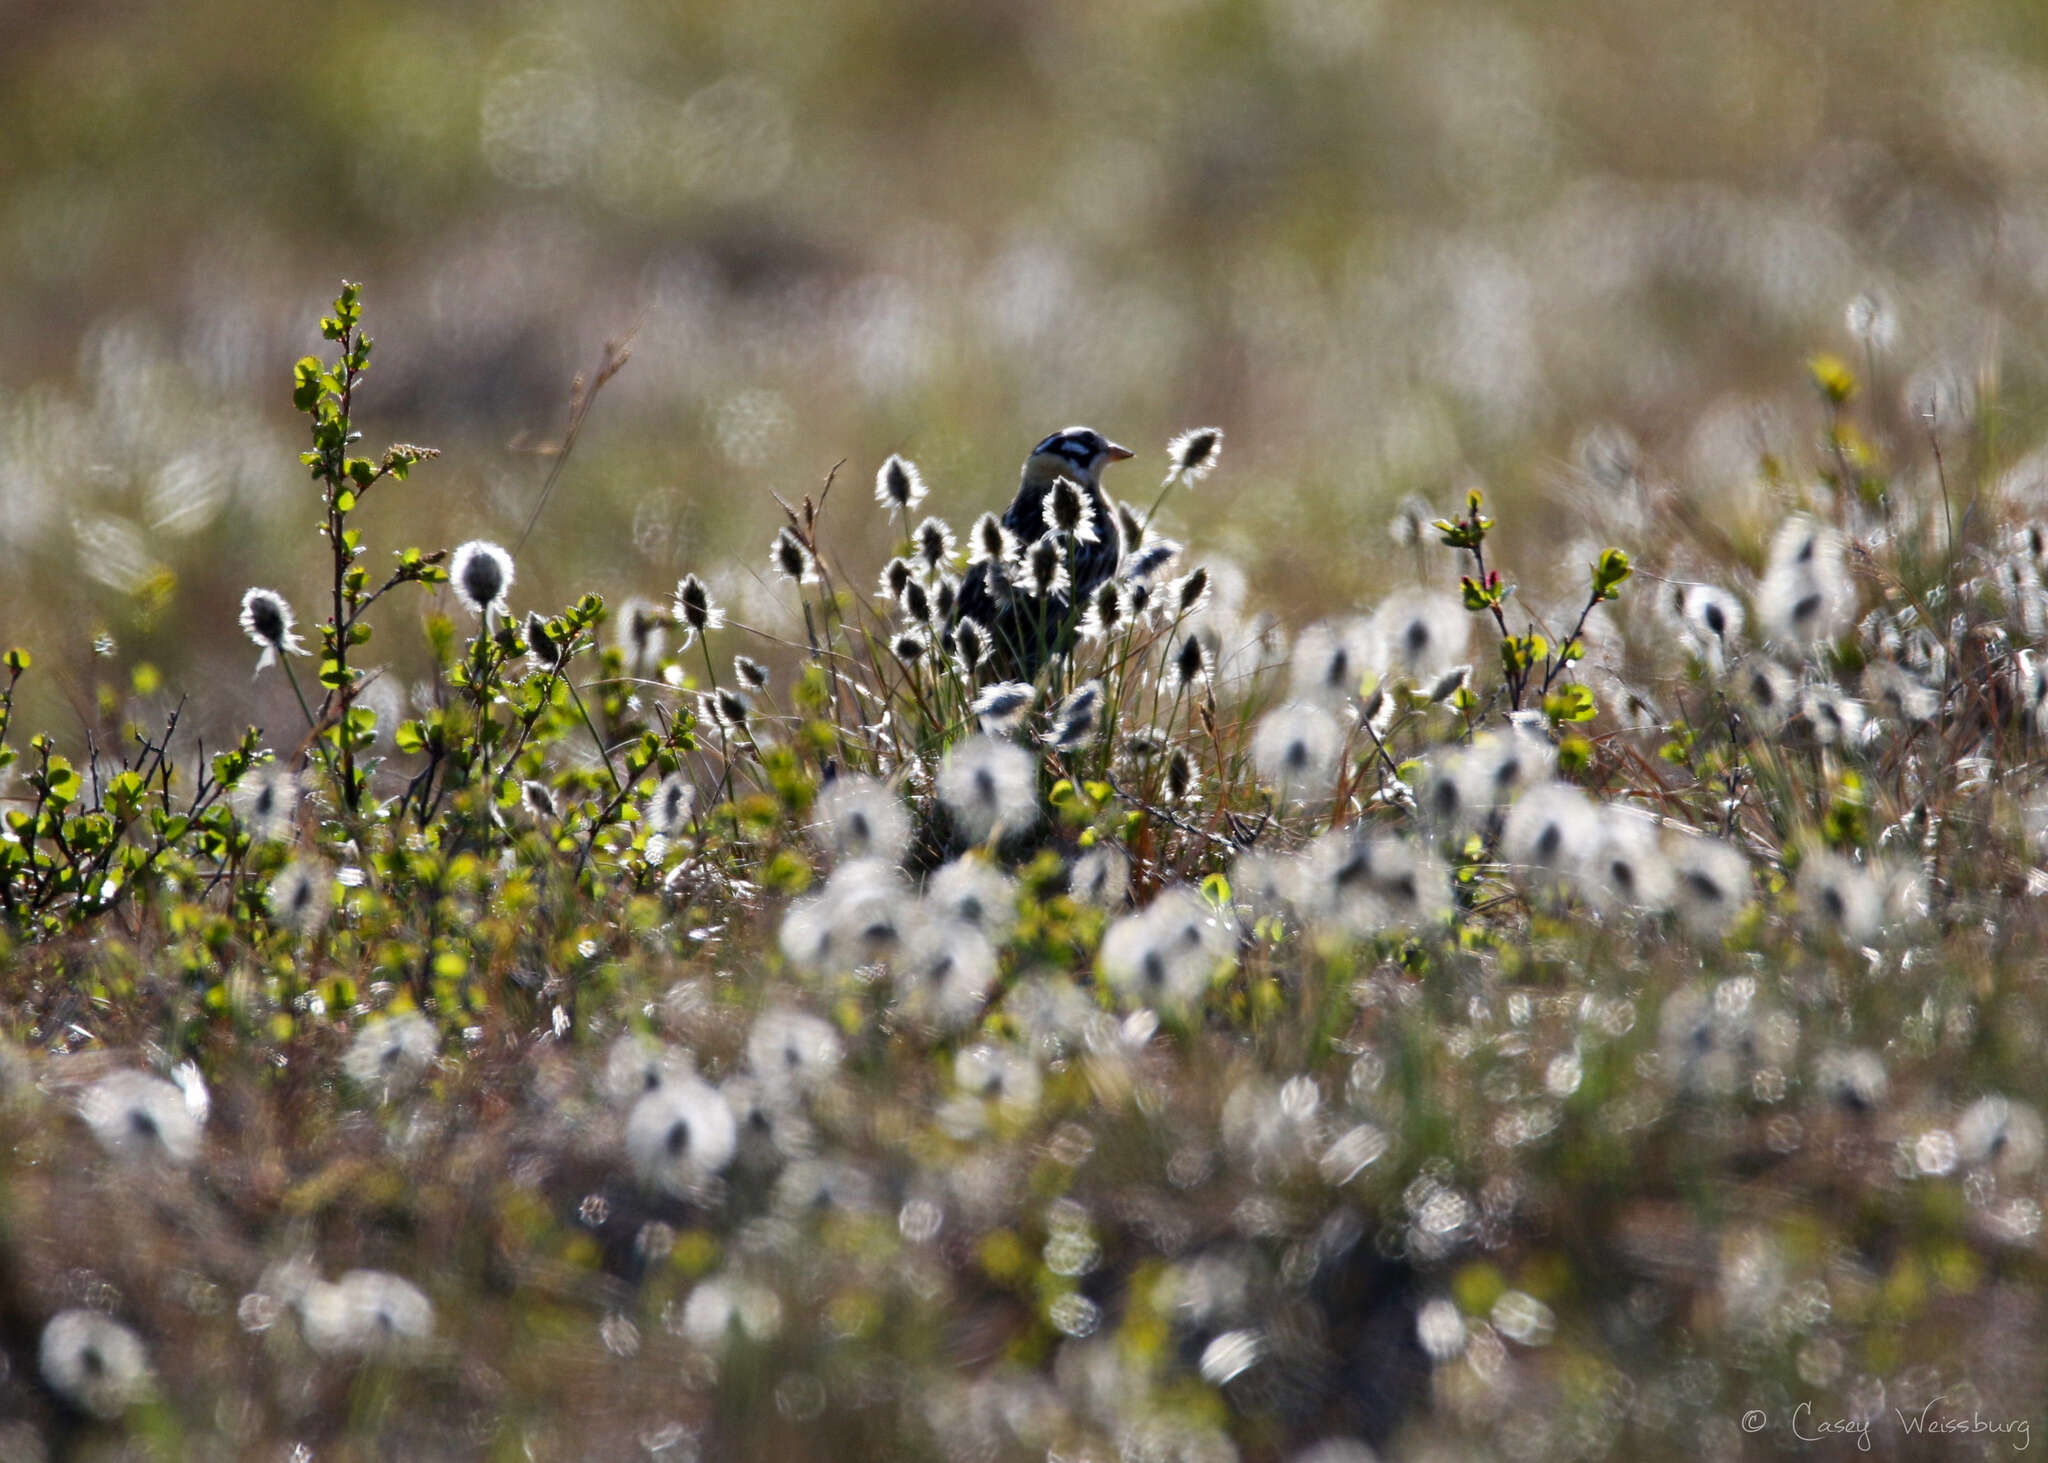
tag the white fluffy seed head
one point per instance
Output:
(1629, 869)
(1162, 957)
(679, 1135)
(1100, 877)
(859, 817)
(695, 609)
(1296, 747)
(390, 1054)
(668, 810)
(267, 619)
(1330, 660)
(1839, 896)
(990, 787)
(300, 896)
(1353, 882)
(637, 1064)
(1003, 706)
(1552, 830)
(989, 541)
(1806, 598)
(933, 541)
(1419, 634)
(267, 802)
(792, 559)
(480, 573)
(142, 1119)
(860, 918)
(945, 973)
(1710, 883)
(364, 1313)
(1499, 766)
(792, 1051)
(642, 634)
(1193, 455)
(1768, 692)
(1835, 720)
(1076, 721)
(1066, 511)
(898, 484)
(93, 1362)
(971, 891)
(1001, 1074)
(1709, 621)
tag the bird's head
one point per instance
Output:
(1080, 453)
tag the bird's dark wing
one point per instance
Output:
(1021, 629)
(1025, 516)
(1097, 561)
(1108, 536)
(1026, 632)
(974, 602)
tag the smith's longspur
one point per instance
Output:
(1059, 542)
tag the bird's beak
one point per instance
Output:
(1119, 454)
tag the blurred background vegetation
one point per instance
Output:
(1390, 247)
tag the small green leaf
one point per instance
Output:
(124, 793)
(1608, 574)
(1570, 702)
(58, 781)
(306, 383)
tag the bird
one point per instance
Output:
(1025, 601)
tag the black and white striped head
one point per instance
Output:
(1080, 453)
